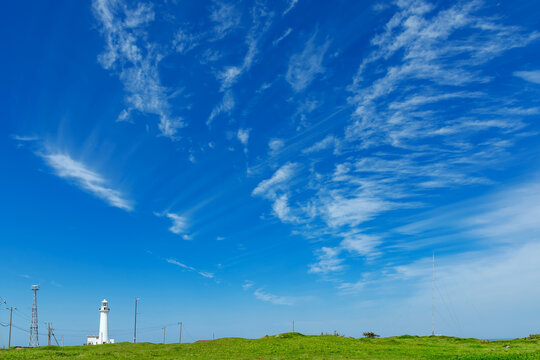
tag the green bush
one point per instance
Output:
(370, 334)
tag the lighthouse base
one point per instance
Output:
(94, 340)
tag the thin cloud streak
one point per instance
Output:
(273, 299)
(531, 76)
(205, 274)
(77, 172)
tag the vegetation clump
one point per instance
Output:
(370, 334)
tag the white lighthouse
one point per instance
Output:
(103, 337)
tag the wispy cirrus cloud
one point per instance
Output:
(226, 17)
(179, 224)
(229, 75)
(283, 36)
(328, 261)
(275, 145)
(274, 299)
(66, 167)
(225, 106)
(290, 6)
(531, 76)
(425, 121)
(130, 55)
(24, 138)
(243, 136)
(205, 274)
(279, 180)
(305, 66)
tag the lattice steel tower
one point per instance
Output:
(34, 341)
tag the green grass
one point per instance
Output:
(298, 346)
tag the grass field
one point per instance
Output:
(297, 346)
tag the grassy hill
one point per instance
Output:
(298, 346)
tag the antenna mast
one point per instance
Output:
(433, 296)
(34, 341)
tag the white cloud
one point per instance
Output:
(359, 243)
(282, 210)
(243, 136)
(353, 210)
(283, 36)
(226, 18)
(65, 167)
(328, 261)
(290, 6)
(279, 179)
(248, 285)
(184, 41)
(274, 299)
(24, 138)
(220, 238)
(417, 130)
(351, 288)
(190, 268)
(261, 20)
(531, 76)
(433, 53)
(137, 65)
(305, 66)
(508, 216)
(179, 224)
(275, 145)
(330, 141)
(226, 106)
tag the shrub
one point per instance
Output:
(371, 334)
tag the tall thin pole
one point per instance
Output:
(293, 326)
(49, 334)
(164, 334)
(433, 295)
(10, 318)
(135, 326)
(62, 340)
(54, 337)
(180, 337)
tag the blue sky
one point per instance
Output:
(239, 165)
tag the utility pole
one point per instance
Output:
(293, 326)
(135, 326)
(62, 340)
(164, 334)
(49, 334)
(433, 296)
(34, 339)
(10, 320)
(180, 337)
(54, 336)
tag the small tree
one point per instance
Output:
(371, 334)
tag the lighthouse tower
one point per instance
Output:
(104, 322)
(103, 337)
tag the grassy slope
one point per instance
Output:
(296, 346)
